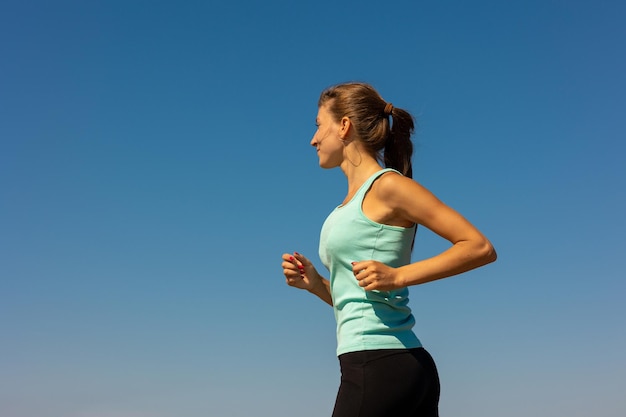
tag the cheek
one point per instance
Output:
(323, 136)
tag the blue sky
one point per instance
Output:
(155, 164)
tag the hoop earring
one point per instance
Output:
(360, 158)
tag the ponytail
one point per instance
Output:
(398, 146)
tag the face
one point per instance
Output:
(327, 140)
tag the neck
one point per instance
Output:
(358, 166)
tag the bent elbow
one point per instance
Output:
(488, 253)
(483, 252)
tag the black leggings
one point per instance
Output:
(388, 383)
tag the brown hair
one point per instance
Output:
(388, 141)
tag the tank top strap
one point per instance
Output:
(368, 183)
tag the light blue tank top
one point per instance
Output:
(366, 320)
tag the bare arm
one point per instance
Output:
(409, 202)
(300, 273)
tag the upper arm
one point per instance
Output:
(411, 202)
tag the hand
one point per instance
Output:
(299, 271)
(373, 275)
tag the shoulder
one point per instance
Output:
(393, 185)
(407, 198)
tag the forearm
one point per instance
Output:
(322, 290)
(461, 257)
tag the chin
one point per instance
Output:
(329, 163)
(326, 165)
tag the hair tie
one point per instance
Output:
(388, 109)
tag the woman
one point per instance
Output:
(366, 245)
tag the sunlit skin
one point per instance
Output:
(328, 140)
(394, 200)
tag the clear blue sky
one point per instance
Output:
(155, 164)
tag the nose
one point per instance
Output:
(314, 141)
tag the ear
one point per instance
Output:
(344, 127)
